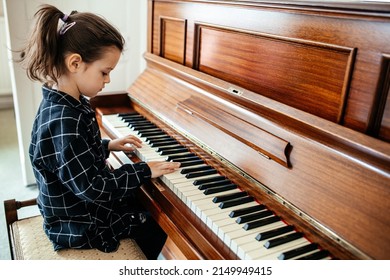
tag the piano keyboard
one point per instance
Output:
(246, 226)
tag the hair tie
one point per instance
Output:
(66, 26)
(65, 17)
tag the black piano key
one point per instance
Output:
(246, 210)
(132, 114)
(143, 129)
(142, 125)
(231, 196)
(195, 169)
(214, 184)
(186, 163)
(254, 216)
(298, 251)
(139, 123)
(174, 151)
(153, 132)
(134, 125)
(152, 138)
(282, 240)
(184, 155)
(261, 223)
(163, 143)
(188, 158)
(316, 255)
(208, 180)
(214, 190)
(128, 114)
(149, 133)
(135, 121)
(201, 173)
(149, 128)
(157, 140)
(134, 118)
(273, 232)
(235, 202)
(168, 148)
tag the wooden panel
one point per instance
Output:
(381, 111)
(319, 29)
(307, 75)
(384, 132)
(173, 38)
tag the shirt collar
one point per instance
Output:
(62, 98)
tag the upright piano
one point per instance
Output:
(279, 112)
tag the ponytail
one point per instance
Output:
(56, 34)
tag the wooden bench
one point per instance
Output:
(28, 241)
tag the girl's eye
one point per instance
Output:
(104, 73)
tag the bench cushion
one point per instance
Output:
(31, 243)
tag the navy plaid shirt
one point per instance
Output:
(78, 194)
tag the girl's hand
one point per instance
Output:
(159, 168)
(126, 144)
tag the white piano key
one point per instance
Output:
(202, 202)
(124, 130)
(183, 185)
(111, 119)
(231, 226)
(215, 223)
(235, 237)
(255, 250)
(211, 215)
(273, 253)
(180, 192)
(238, 238)
(175, 178)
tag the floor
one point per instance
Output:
(11, 185)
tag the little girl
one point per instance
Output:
(84, 203)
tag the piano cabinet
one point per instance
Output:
(290, 104)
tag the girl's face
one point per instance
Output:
(93, 76)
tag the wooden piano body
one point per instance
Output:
(290, 100)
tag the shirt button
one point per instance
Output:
(93, 119)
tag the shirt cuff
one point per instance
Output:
(144, 168)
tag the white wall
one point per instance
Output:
(128, 16)
(5, 83)
(5, 80)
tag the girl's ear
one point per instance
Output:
(73, 62)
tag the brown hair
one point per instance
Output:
(88, 35)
